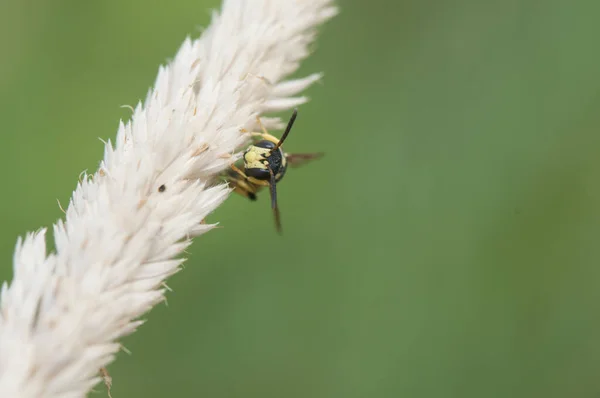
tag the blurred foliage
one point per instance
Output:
(446, 246)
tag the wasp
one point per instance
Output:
(265, 164)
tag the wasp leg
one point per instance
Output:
(239, 172)
(265, 136)
(244, 192)
(240, 183)
(262, 127)
(265, 133)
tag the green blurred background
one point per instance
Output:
(446, 246)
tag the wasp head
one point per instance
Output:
(260, 160)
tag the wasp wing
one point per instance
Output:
(299, 159)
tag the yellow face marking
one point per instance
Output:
(255, 157)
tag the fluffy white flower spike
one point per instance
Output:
(63, 313)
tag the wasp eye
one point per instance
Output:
(259, 174)
(265, 144)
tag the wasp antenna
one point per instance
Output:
(287, 129)
(273, 189)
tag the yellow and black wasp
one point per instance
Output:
(265, 164)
